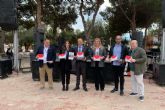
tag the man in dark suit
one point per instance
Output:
(81, 64)
(46, 56)
(120, 51)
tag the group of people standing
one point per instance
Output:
(98, 55)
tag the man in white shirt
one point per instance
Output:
(47, 56)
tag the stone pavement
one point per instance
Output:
(22, 93)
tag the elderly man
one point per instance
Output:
(137, 67)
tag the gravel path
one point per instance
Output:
(22, 93)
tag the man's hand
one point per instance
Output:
(133, 60)
(50, 61)
(107, 59)
(102, 58)
(121, 61)
(84, 59)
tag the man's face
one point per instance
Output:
(80, 41)
(133, 44)
(118, 39)
(47, 43)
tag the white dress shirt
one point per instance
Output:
(45, 54)
(97, 51)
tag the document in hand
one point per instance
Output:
(97, 58)
(128, 58)
(40, 56)
(113, 58)
(62, 56)
(71, 56)
(80, 55)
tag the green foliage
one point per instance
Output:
(55, 13)
(147, 12)
(59, 14)
(26, 37)
(26, 13)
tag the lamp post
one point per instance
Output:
(16, 51)
(163, 36)
(163, 46)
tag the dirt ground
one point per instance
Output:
(22, 93)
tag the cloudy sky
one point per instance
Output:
(79, 24)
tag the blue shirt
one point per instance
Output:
(80, 48)
(117, 52)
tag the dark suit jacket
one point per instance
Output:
(124, 52)
(85, 50)
(65, 63)
(50, 57)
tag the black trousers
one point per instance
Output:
(118, 72)
(81, 69)
(65, 71)
(65, 76)
(99, 78)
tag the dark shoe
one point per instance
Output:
(63, 88)
(114, 90)
(133, 94)
(121, 93)
(50, 88)
(102, 89)
(41, 88)
(67, 88)
(85, 89)
(76, 88)
(97, 89)
(141, 98)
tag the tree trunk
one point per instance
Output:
(145, 38)
(55, 28)
(39, 12)
(88, 29)
(132, 20)
(38, 23)
(2, 40)
(133, 23)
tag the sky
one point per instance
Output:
(79, 25)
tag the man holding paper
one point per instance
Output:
(98, 55)
(137, 68)
(117, 56)
(81, 53)
(46, 55)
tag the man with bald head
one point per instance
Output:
(137, 68)
(81, 64)
(120, 51)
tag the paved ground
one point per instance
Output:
(21, 93)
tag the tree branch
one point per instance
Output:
(121, 8)
(81, 14)
(98, 4)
